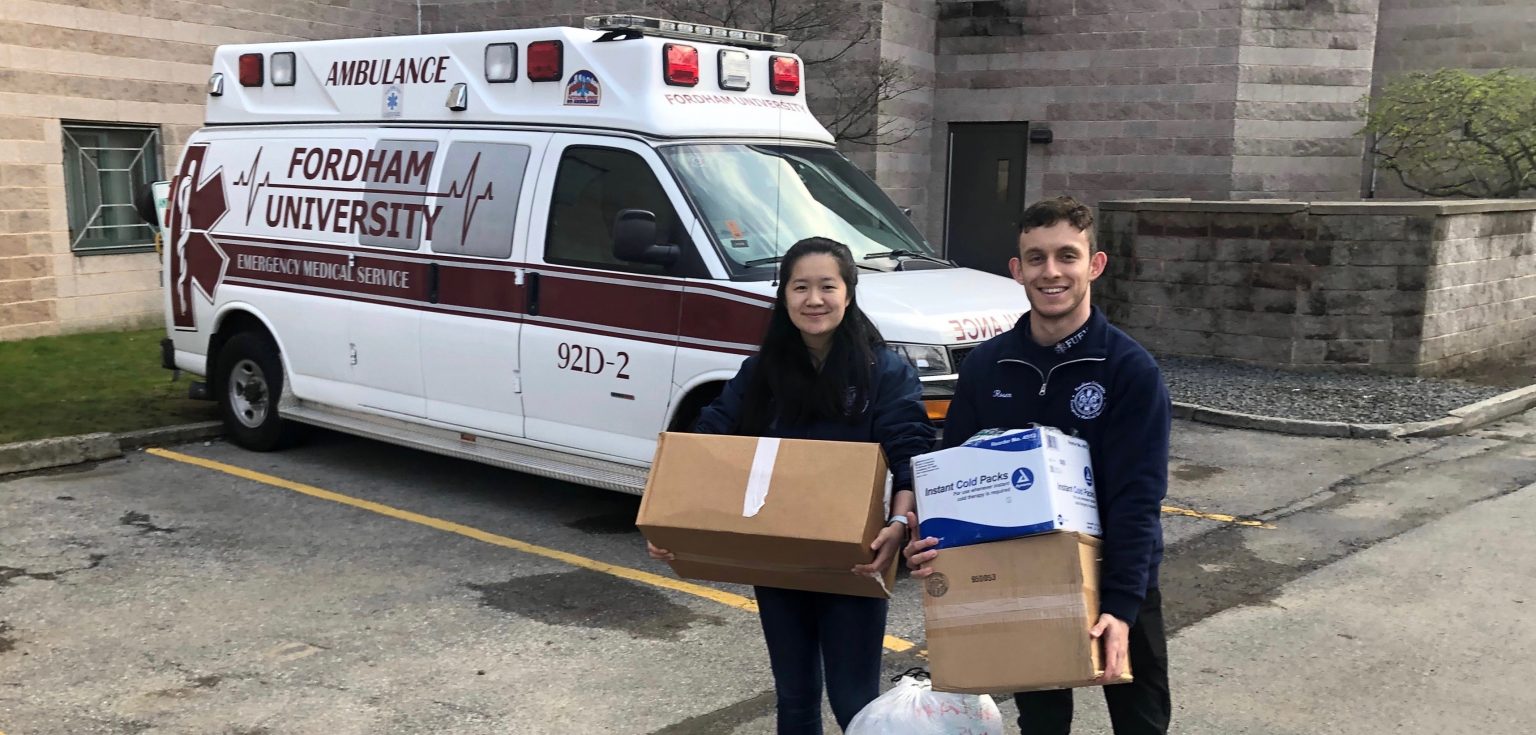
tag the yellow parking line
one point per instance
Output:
(1218, 517)
(633, 575)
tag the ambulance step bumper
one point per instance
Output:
(549, 463)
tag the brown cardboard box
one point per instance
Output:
(1013, 616)
(774, 512)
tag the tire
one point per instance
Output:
(250, 381)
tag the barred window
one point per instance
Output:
(104, 167)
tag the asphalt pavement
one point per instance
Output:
(345, 586)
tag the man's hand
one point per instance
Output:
(885, 547)
(1116, 637)
(920, 551)
(658, 554)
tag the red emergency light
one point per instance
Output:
(546, 61)
(251, 70)
(784, 75)
(681, 64)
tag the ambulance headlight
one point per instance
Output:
(930, 360)
(283, 69)
(735, 70)
(501, 62)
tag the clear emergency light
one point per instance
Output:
(501, 62)
(283, 65)
(687, 31)
(735, 70)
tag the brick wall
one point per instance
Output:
(117, 61)
(1418, 288)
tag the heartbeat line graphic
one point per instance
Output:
(245, 178)
(454, 192)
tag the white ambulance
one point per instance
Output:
(531, 248)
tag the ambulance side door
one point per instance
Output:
(599, 338)
(469, 334)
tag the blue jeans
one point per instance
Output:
(812, 632)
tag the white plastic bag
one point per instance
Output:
(913, 708)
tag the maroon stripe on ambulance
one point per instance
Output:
(587, 306)
(723, 320)
(480, 288)
(610, 304)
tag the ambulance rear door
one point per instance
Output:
(470, 330)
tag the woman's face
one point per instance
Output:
(816, 296)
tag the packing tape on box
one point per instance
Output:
(760, 477)
(1037, 607)
(764, 566)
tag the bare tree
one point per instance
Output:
(839, 43)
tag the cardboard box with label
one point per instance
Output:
(787, 513)
(1014, 616)
(1012, 484)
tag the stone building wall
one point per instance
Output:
(1303, 68)
(1140, 94)
(142, 62)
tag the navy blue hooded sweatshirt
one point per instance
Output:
(893, 417)
(1101, 385)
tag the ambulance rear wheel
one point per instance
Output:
(250, 383)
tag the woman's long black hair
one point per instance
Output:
(786, 385)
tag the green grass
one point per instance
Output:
(84, 383)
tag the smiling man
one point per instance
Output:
(1064, 365)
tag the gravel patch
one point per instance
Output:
(1317, 396)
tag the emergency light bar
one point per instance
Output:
(687, 31)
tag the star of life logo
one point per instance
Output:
(1088, 400)
(392, 101)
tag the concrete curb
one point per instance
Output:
(63, 451)
(1462, 419)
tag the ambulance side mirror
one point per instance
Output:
(634, 239)
(144, 205)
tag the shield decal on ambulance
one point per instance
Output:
(583, 90)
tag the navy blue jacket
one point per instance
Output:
(894, 417)
(1103, 386)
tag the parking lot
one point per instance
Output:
(346, 586)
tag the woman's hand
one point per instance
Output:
(886, 546)
(658, 554)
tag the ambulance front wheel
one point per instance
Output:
(250, 383)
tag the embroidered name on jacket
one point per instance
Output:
(1088, 400)
(1072, 341)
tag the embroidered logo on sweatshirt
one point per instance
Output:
(1088, 400)
(999, 394)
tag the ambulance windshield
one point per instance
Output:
(758, 200)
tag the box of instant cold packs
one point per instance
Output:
(1002, 485)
